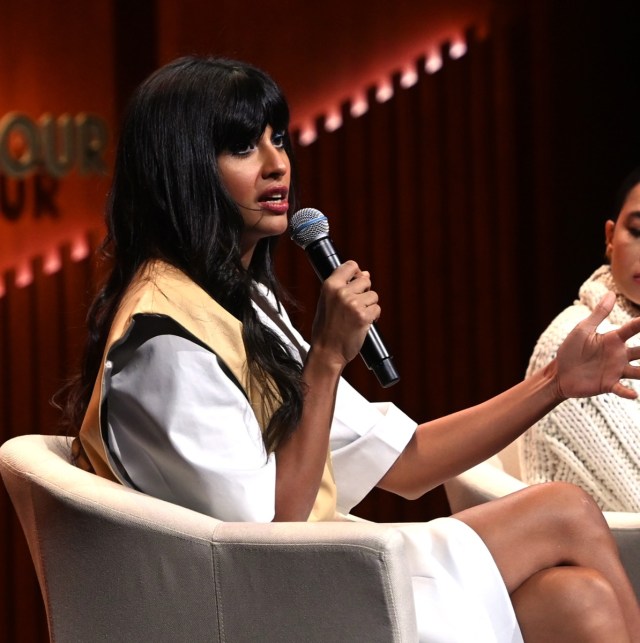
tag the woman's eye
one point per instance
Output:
(242, 149)
(278, 139)
(634, 232)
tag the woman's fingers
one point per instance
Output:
(599, 313)
(351, 287)
(630, 329)
(349, 274)
(346, 310)
(345, 272)
(624, 391)
(633, 353)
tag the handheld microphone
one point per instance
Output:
(309, 229)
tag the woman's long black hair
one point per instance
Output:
(629, 182)
(168, 202)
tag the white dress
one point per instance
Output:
(184, 432)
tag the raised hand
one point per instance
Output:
(589, 363)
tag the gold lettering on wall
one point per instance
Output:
(51, 145)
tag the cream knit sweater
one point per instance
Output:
(592, 442)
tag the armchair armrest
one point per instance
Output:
(115, 564)
(344, 581)
(480, 484)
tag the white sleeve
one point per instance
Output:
(366, 439)
(184, 432)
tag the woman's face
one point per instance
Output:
(258, 178)
(623, 247)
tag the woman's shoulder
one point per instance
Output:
(160, 288)
(160, 294)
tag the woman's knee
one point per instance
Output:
(569, 604)
(542, 526)
(564, 494)
(551, 511)
(568, 510)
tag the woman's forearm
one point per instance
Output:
(449, 445)
(301, 458)
(346, 309)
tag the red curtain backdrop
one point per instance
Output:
(421, 190)
(41, 336)
(476, 198)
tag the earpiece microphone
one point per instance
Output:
(246, 207)
(309, 229)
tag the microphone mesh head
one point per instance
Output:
(308, 225)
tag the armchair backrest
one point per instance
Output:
(116, 564)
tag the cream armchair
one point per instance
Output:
(117, 565)
(500, 476)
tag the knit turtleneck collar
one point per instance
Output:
(594, 288)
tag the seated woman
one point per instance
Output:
(197, 389)
(594, 442)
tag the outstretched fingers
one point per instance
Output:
(630, 329)
(633, 355)
(599, 314)
(590, 363)
(631, 371)
(624, 391)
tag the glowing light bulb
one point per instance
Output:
(52, 262)
(409, 77)
(79, 249)
(307, 135)
(333, 121)
(458, 49)
(359, 106)
(24, 275)
(433, 63)
(384, 91)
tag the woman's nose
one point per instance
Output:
(274, 161)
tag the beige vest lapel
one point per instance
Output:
(162, 289)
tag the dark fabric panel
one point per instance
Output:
(427, 191)
(473, 198)
(20, 417)
(42, 331)
(135, 46)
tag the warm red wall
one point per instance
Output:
(69, 57)
(66, 58)
(319, 52)
(514, 147)
(56, 58)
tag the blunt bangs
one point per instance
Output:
(252, 101)
(220, 104)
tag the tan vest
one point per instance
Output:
(164, 290)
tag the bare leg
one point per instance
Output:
(569, 604)
(550, 526)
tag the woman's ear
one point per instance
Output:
(609, 229)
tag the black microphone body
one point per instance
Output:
(325, 260)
